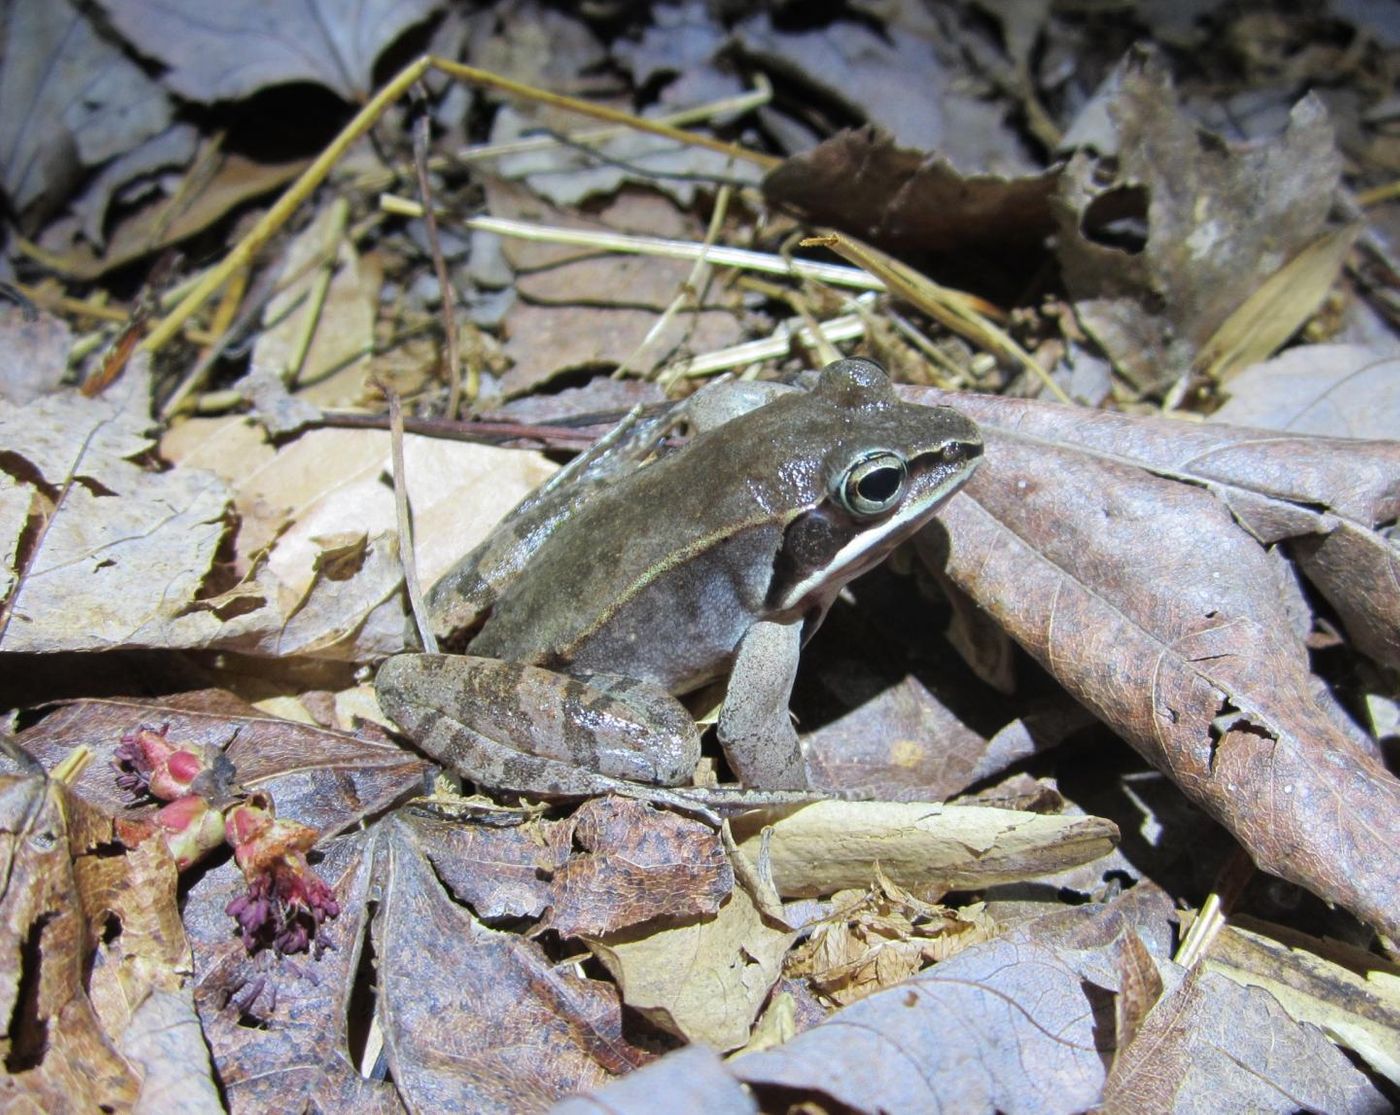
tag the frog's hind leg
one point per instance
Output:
(531, 730)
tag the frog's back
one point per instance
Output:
(656, 579)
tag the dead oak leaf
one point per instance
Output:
(476, 1019)
(1208, 1038)
(637, 864)
(1220, 221)
(72, 100)
(1116, 552)
(325, 779)
(277, 1026)
(220, 50)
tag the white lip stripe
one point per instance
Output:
(857, 547)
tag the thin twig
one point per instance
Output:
(315, 303)
(780, 343)
(638, 170)
(244, 251)
(291, 199)
(835, 274)
(737, 105)
(474, 76)
(690, 289)
(447, 293)
(406, 555)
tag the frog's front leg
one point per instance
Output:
(754, 726)
(534, 731)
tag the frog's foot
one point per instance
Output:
(755, 729)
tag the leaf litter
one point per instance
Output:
(1220, 595)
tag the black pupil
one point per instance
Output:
(879, 484)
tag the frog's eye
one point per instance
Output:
(873, 484)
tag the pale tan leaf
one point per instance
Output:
(321, 540)
(1277, 309)
(735, 957)
(124, 558)
(834, 845)
(1351, 994)
(1208, 1038)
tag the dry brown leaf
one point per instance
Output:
(901, 78)
(327, 780)
(1011, 1025)
(131, 175)
(1220, 221)
(1208, 1038)
(882, 938)
(1139, 989)
(693, 1080)
(1154, 607)
(499, 866)
(58, 1051)
(476, 1019)
(221, 50)
(278, 1026)
(636, 864)
(1325, 498)
(321, 541)
(124, 559)
(1351, 994)
(1024, 1023)
(911, 201)
(1335, 390)
(166, 1043)
(568, 176)
(835, 845)
(72, 100)
(705, 980)
(902, 743)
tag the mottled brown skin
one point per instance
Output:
(638, 581)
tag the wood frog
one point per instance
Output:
(641, 577)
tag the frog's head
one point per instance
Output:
(877, 470)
